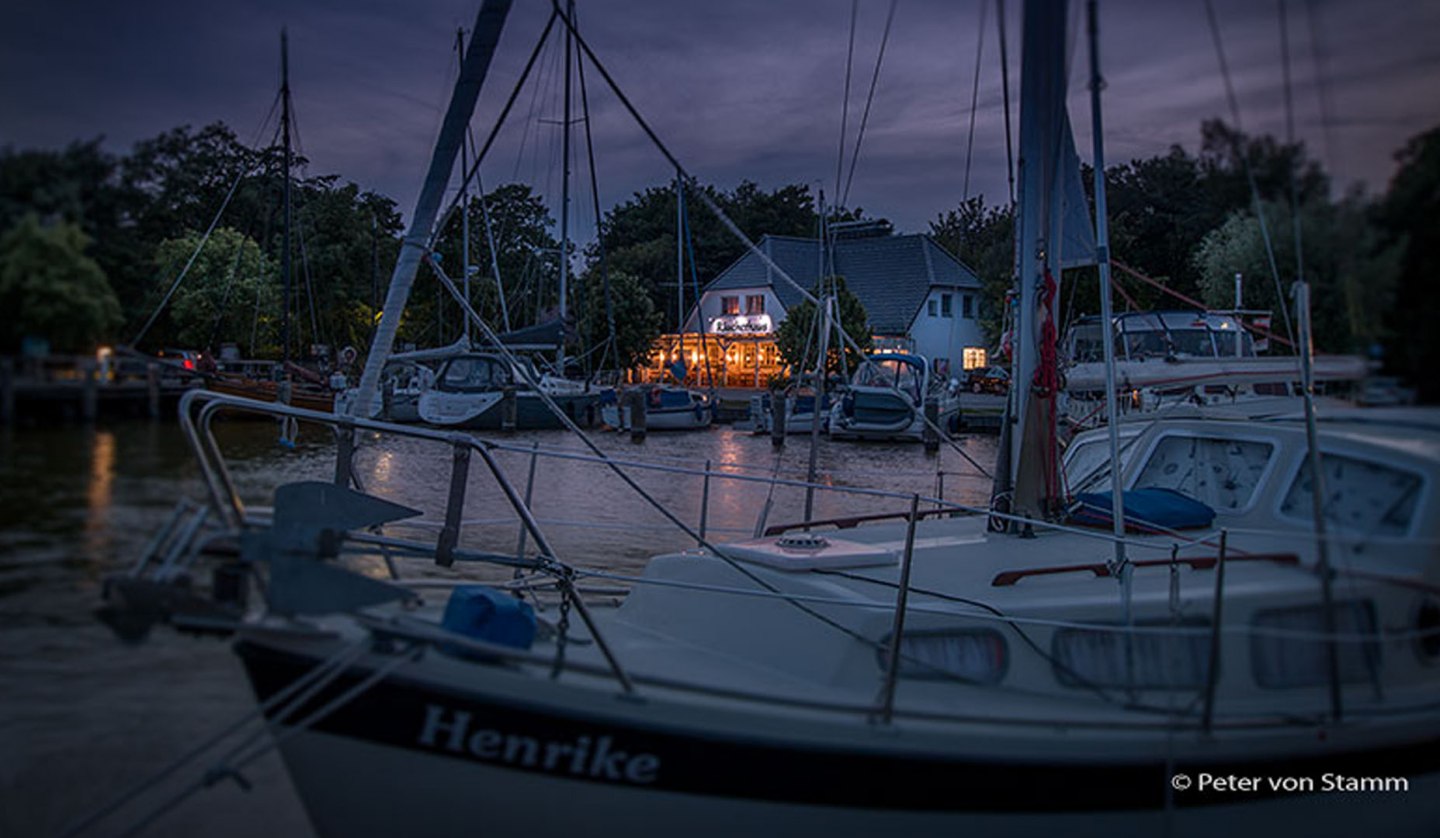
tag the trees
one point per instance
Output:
(637, 323)
(984, 239)
(1410, 218)
(798, 341)
(526, 251)
(1351, 270)
(638, 237)
(230, 293)
(49, 288)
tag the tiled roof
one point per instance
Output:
(891, 275)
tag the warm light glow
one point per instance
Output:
(973, 357)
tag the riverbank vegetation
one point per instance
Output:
(92, 241)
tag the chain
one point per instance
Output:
(562, 627)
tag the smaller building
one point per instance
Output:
(918, 298)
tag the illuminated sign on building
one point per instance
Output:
(741, 324)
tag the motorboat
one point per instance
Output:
(887, 399)
(1169, 358)
(667, 408)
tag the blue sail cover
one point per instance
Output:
(1077, 245)
(1146, 510)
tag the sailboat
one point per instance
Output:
(290, 383)
(1198, 660)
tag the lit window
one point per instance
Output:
(973, 357)
(967, 306)
(755, 304)
(729, 305)
(946, 309)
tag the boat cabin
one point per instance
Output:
(1161, 334)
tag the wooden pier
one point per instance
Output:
(83, 388)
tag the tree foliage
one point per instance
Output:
(1410, 218)
(639, 236)
(798, 339)
(1350, 270)
(229, 293)
(637, 323)
(50, 289)
(984, 239)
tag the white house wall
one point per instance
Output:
(938, 336)
(710, 306)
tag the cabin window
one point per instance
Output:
(1282, 660)
(977, 656)
(1164, 656)
(1087, 462)
(967, 306)
(973, 357)
(1222, 473)
(473, 375)
(755, 304)
(1085, 344)
(933, 308)
(1192, 343)
(1360, 497)
(729, 306)
(946, 309)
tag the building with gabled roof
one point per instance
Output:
(917, 296)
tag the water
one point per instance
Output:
(83, 717)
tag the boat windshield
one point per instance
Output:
(474, 375)
(900, 373)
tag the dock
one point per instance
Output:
(83, 388)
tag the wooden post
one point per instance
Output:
(152, 389)
(777, 419)
(7, 391)
(509, 410)
(931, 433)
(89, 394)
(637, 415)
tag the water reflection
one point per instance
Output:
(98, 492)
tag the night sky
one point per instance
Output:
(740, 89)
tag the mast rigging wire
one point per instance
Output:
(1244, 159)
(869, 100)
(845, 99)
(974, 100)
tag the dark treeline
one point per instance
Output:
(90, 241)
(1189, 222)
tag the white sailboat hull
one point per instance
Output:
(415, 758)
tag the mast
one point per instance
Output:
(489, 21)
(1102, 257)
(1044, 140)
(680, 267)
(285, 199)
(464, 201)
(565, 196)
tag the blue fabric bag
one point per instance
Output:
(484, 613)
(1146, 510)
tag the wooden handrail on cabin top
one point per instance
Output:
(1101, 569)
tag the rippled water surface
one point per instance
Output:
(83, 716)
